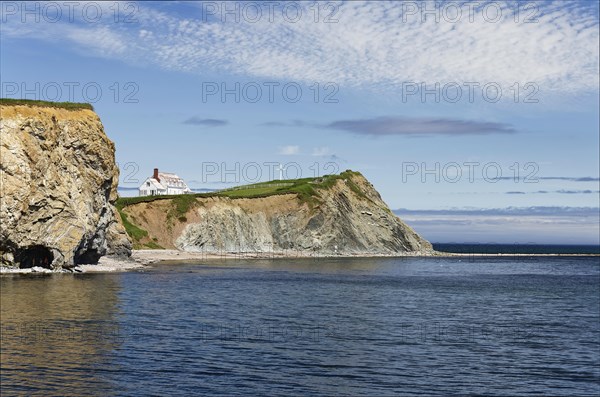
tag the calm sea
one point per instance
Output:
(517, 248)
(413, 326)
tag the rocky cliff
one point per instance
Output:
(58, 185)
(340, 215)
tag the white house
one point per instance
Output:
(163, 183)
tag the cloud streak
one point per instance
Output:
(561, 191)
(514, 211)
(289, 150)
(383, 126)
(557, 178)
(394, 125)
(205, 122)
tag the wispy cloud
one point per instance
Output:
(517, 211)
(367, 46)
(321, 151)
(326, 153)
(561, 191)
(205, 122)
(558, 178)
(587, 191)
(382, 126)
(556, 225)
(571, 179)
(289, 150)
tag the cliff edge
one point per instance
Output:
(58, 185)
(332, 215)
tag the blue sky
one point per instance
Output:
(379, 85)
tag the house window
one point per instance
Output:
(147, 183)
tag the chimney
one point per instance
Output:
(155, 176)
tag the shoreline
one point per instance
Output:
(176, 255)
(141, 259)
(153, 256)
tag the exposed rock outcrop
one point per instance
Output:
(58, 185)
(347, 218)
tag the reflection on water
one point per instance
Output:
(57, 332)
(361, 327)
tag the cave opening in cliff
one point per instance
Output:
(33, 256)
(88, 257)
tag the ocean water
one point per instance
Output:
(408, 326)
(516, 248)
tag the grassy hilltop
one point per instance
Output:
(305, 189)
(46, 104)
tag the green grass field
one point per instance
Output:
(307, 190)
(47, 104)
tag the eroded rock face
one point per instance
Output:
(350, 219)
(58, 182)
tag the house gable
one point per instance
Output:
(151, 187)
(163, 183)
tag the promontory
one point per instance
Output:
(59, 206)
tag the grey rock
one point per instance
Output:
(58, 180)
(342, 224)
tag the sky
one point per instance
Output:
(484, 112)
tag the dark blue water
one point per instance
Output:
(517, 248)
(308, 327)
